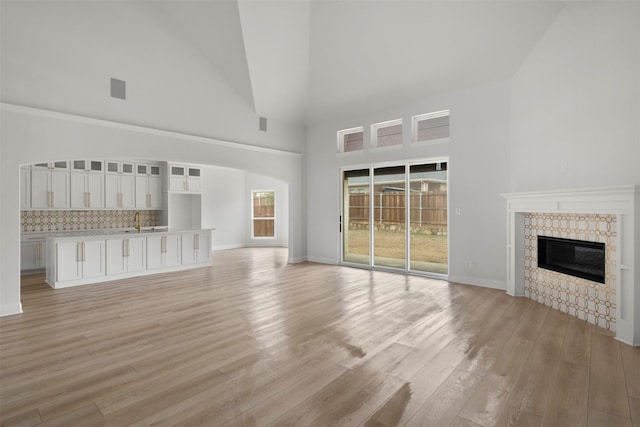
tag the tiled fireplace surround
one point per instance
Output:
(607, 215)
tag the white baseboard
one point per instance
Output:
(230, 246)
(10, 309)
(297, 260)
(476, 281)
(322, 260)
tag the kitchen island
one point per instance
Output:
(85, 257)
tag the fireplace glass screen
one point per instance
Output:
(574, 257)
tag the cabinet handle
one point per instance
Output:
(53, 199)
(148, 200)
(49, 199)
(163, 244)
(128, 247)
(79, 252)
(196, 241)
(84, 255)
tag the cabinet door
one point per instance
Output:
(79, 190)
(155, 193)
(93, 259)
(112, 191)
(137, 254)
(68, 261)
(127, 191)
(40, 188)
(204, 248)
(95, 187)
(142, 189)
(172, 250)
(59, 189)
(116, 261)
(29, 256)
(189, 252)
(155, 252)
(25, 187)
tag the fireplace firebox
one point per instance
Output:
(577, 258)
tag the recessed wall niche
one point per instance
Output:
(585, 299)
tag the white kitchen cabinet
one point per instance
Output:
(87, 190)
(25, 187)
(196, 247)
(148, 186)
(33, 255)
(185, 178)
(163, 251)
(126, 255)
(119, 191)
(49, 188)
(76, 260)
(93, 166)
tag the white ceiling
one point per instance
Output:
(302, 60)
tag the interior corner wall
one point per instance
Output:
(575, 101)
(224, 206)
(478, 153)
(260, 182)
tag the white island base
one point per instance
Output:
(87, 257)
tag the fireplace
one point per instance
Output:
(609, 215)
(577, 258)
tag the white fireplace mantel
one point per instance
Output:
(622, 201)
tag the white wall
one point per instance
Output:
(575, 101)
(61, 55)
(30, 136)
(260, 182)
(224, 206)
(478, 173)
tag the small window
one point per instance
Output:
(431, 126)
(351, 140)
(263, 214)
(386, 134)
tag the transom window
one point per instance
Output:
(351, 140)
(386, 134)
(430, 126)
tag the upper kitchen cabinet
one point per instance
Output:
(119, 184)
(185, 178)
(148, 186)
(87, 184)
(50, 185)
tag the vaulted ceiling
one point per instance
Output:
(301, 60)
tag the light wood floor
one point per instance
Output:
(255, 341)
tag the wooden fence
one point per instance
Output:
(426, 209)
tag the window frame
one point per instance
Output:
(415, 121)
(253, 217)
(374, 133)
(341, 134)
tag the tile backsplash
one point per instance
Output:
(587, 300)
(68, 220)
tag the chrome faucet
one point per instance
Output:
(136, 218)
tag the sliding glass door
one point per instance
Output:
(396, 217)
(356, 217)
(389, 222)
(428, 237)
